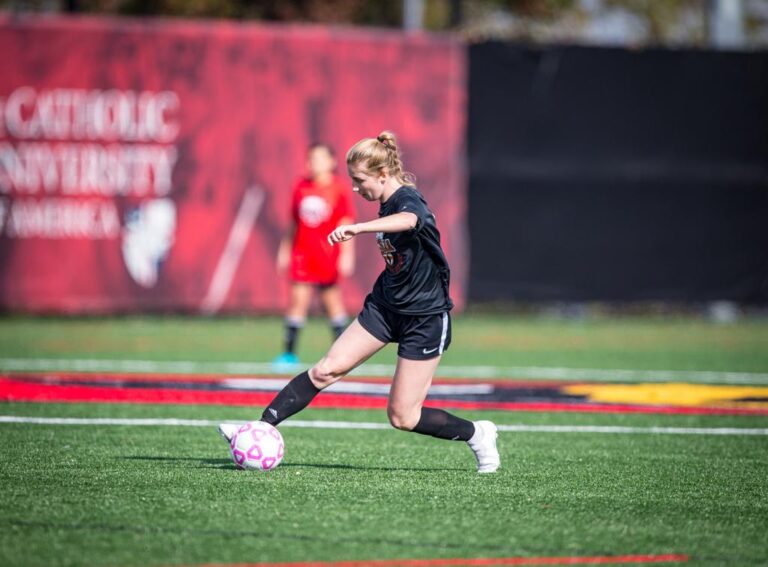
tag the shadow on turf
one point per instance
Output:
(369, 468)
(202, 462)
(227, 464)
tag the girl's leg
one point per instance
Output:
(405, 410)
(295, 316)
(350, 350)
(301, 295)
(334, 307)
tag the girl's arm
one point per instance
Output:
(347, 254)
(398, 222)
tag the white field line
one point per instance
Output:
(354, 425)
(447, 371)
(352, 387)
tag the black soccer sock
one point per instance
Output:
(338, 324)
(443, 425)
(290, 400)
(292, 328)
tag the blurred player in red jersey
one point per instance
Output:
(320, 203)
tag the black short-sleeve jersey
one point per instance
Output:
(416, 276)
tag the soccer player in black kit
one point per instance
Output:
(409, 305)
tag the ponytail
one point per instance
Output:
(380, 154)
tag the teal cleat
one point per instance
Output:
(286, 361)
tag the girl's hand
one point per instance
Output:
(283, 260)
(342, 233)
(283, 256)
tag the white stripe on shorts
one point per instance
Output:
(444, 333)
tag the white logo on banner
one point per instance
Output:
(147, 237)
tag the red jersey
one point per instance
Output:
(317, 210)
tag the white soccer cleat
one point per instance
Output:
(228, 430)
(483, 444)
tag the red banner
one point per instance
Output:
(147, 166)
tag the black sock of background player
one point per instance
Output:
(443, 425)
(338, 324)
(291, 334)
(290, 400)
(337, 330)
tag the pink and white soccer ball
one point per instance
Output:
(257, 446)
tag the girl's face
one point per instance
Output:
(369, 186)
(320, 161)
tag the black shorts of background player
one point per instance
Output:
(409, 305)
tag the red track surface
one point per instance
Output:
(53, 388)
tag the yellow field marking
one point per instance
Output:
(676, 394)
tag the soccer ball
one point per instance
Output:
(257, 446)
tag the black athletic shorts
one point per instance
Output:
(419, 337)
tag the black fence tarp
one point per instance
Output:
(606, 174)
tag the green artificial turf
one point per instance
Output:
(168, 495)
(625, 343)
(154, 495)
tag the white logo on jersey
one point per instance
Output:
(314, 211)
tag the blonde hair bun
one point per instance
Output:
(388, 139)
(380, 154)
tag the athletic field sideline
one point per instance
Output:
(362, 425)
(445, 371)
(373, 392)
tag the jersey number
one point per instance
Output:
(387, 250)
